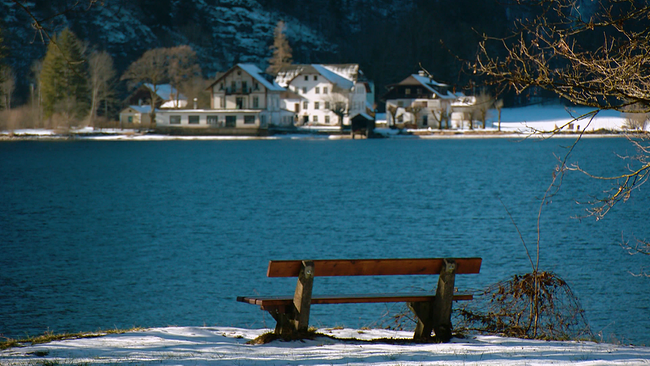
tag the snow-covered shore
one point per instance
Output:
(515, 123)
(227, 346)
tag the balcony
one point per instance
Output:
(238, 91)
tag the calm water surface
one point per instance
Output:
(116, 234)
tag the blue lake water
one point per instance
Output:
(103, 234)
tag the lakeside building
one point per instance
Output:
(243, 100)
(326, 95)
(418, 101)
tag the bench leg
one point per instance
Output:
(302, 296)
(424, 312)
(283, 321)
(442, 303)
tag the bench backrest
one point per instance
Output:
(372, 267)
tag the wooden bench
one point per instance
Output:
(433, 311)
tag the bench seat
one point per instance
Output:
(273, 301)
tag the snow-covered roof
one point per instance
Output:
(256, 73)
(464, 101)
(335, 78)
(364, 115)
(141, 108)
(166, 92)
(342, 75)
(427, 81)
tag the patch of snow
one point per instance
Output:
(227, 346)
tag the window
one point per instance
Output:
(304, 90)
(233, 86)
(327, 119)
(305, 119)
(315, 77)
(305, 105)
(407, 91)
(249, 120)
(212, 120)
(130, 119)
(425, 120)
(174, 120)
(239, 101)
(316, 105)
(315, 119)
(256, 85)
(244, 86)
(327, 105)
(317, 90)
(324, 90)
(231, 121)
(256, 102)
(193, 120)
(419, 90)
(306, 77)
(222, 102)
(296, 107)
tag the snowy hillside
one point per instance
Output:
(221, 32)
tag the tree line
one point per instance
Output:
(77, 85)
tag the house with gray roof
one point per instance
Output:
(418, 101)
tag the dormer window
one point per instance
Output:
(306, 77)
(407, 91)
(315, 77)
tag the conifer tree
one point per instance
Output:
(281, 50)
(64, 79)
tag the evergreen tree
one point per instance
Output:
(64, 79)
(281, 50)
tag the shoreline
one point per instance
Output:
(43, 135)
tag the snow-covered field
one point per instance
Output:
(227, 346)
(549, 118)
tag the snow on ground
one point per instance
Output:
(227, 346)
(548, 118)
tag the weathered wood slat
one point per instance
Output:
(372, 267)
(272, 301)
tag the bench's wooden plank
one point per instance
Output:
(271, 301)
(372, 267)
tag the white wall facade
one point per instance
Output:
(240, 94)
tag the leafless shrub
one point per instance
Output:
(536, 305)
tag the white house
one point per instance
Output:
(243, 100)
(328, 94)
(419, 102)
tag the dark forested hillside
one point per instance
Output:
(389, 38)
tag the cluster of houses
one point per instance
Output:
(244, 100)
